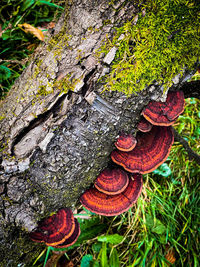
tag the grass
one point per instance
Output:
(16, 46)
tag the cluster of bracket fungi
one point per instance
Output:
(115, 190)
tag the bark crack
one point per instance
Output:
(87, 84)
(37, 121)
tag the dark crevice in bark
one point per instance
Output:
(80, 62)
(5, 189)
(3, 202)
(3, 210)
(191, 89)
(40, 119)
(192, 155)
(84, 119)
(87, 85)
(69, 95)
(1, 167)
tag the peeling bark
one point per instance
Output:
(54, 142)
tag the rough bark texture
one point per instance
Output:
(54, 142)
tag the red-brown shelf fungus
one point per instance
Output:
(151, 151)
(126, 142)
(144, 125)
(60, 229)
(73, 238)
(165, 113)
(107, 205)
(112, 181)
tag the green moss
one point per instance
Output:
(36, 71)
(59, 41)
(64, 85)
(2, 117)
(90, 29)
(43, 91)
(158, 47)
(106, 22)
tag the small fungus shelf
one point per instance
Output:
(165, 113)
(111, 205)
(126, 142)
(58, 230)
(151, 151)
(144, 126)
(112, 181)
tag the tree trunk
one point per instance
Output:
(54, 140)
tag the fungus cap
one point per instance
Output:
(55, 229)
(107, 205)
(37, 236)
(73, 238)
(150, 152)
(112, 181)
(126, 142)
(144, 125)
(165, 113)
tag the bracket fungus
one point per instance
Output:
(165, 113)
(59, 230)
(150, 152)
(73, 238)
(126, 142)
(112, 205)
(112, 181)
(144, 125)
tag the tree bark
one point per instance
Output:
(55, 141)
